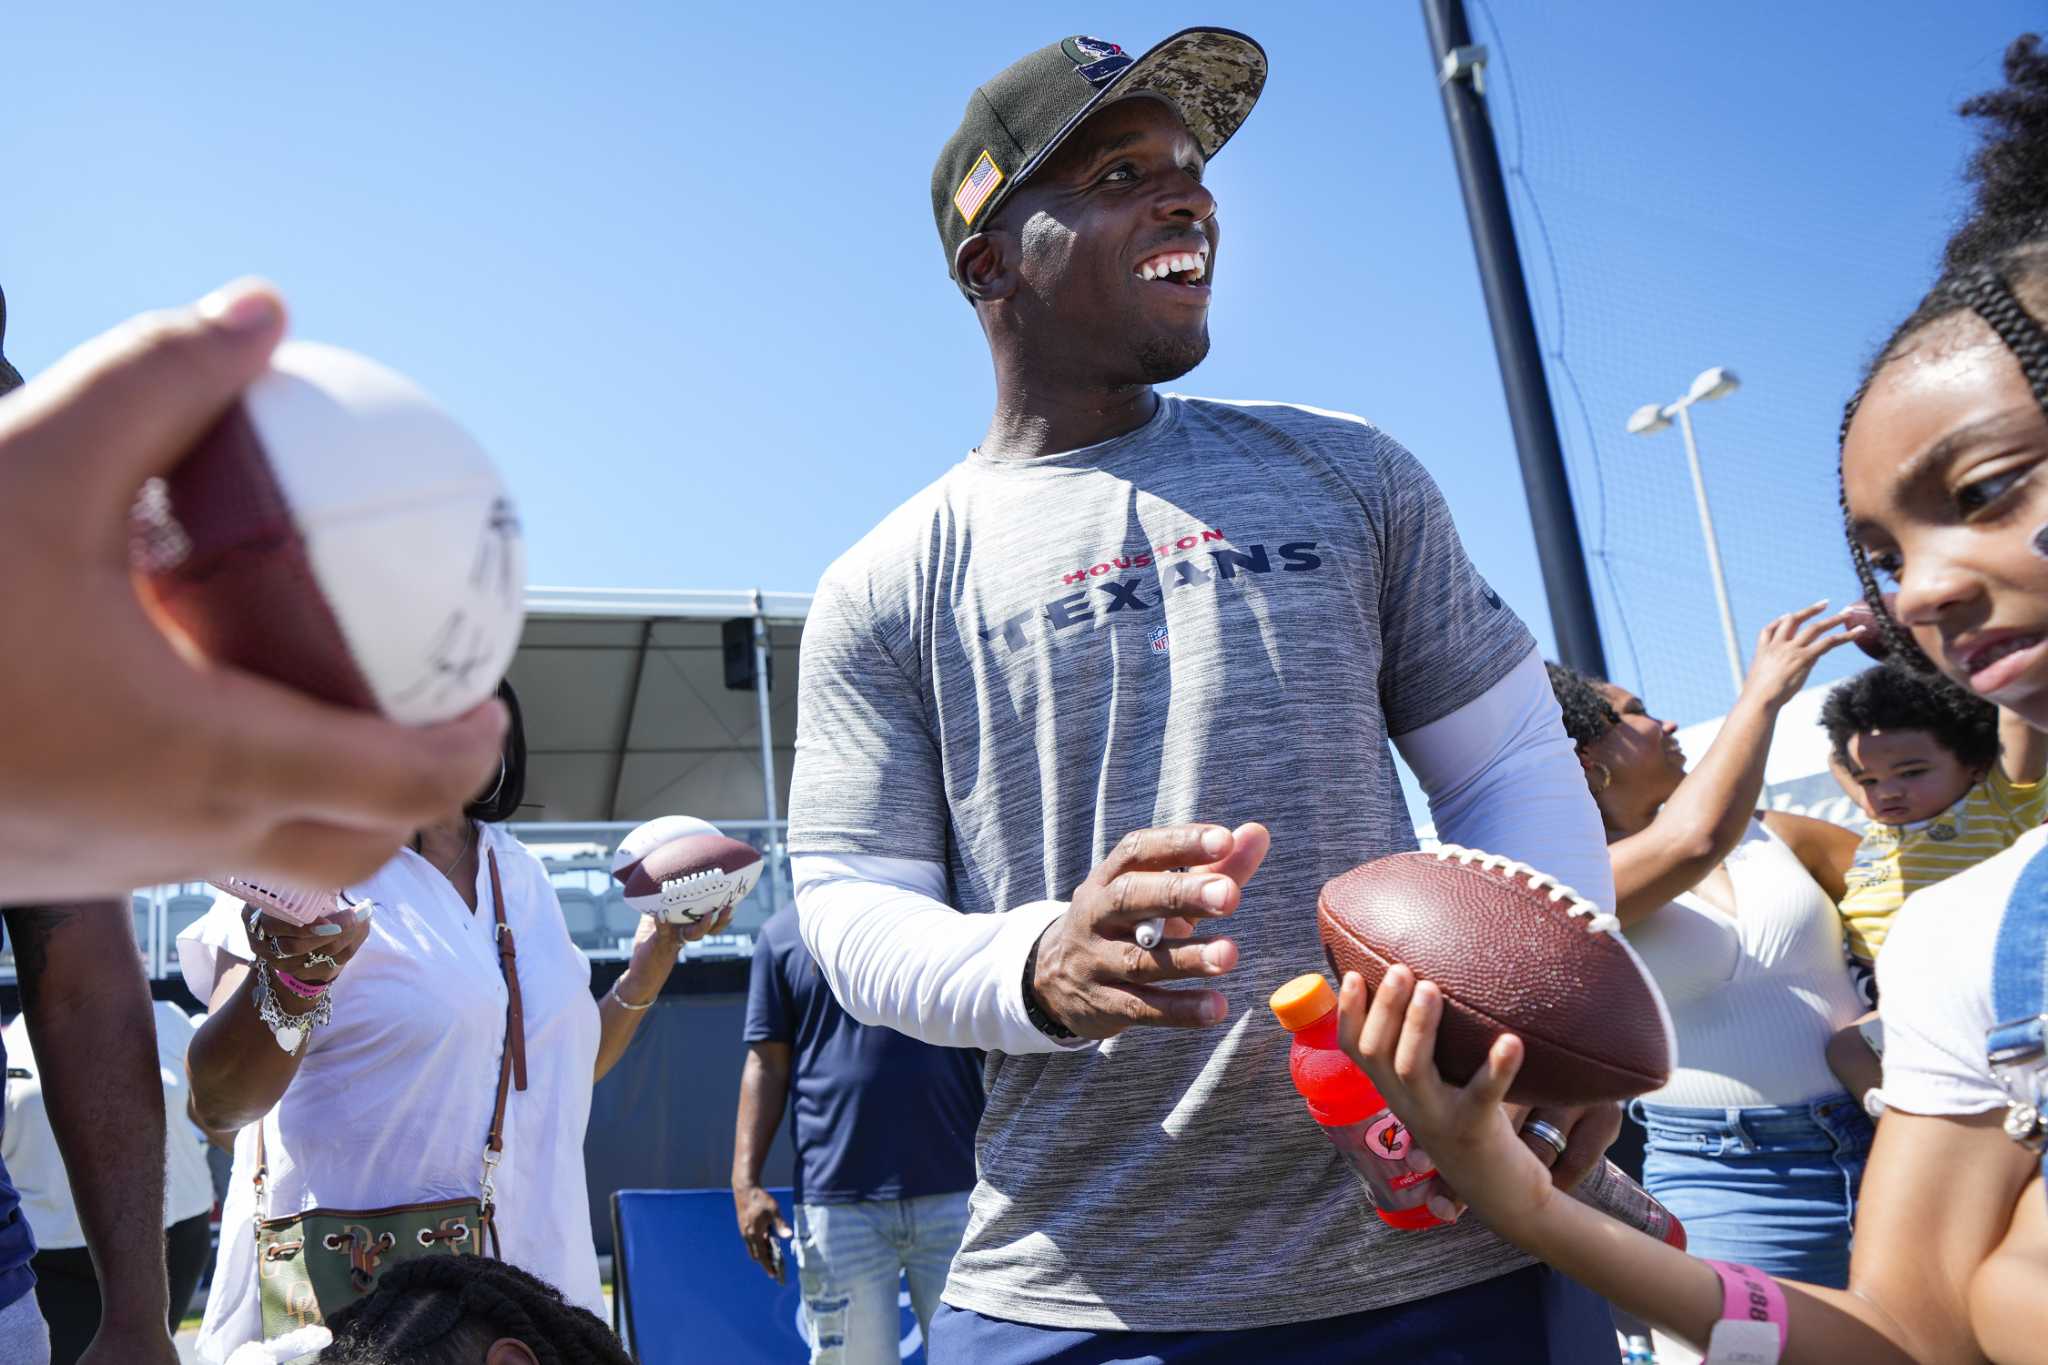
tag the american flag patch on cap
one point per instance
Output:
(980, 183)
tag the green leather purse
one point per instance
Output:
(310, 1265)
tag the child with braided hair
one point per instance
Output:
(468, 1310)
(1944, 475)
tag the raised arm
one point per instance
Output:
(1919, 1241)
(237, 1070)
(1705, 817)
(1500, 775)
(94, 1034)
(625, 1005)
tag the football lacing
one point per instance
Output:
(1579, 908)
(676, 889)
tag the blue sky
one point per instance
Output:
(676, 266)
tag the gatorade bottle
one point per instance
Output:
(1397, 1178)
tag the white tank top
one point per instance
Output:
(1753, 997)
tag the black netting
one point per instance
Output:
(1723, 195)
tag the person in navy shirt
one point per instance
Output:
(884, 1132)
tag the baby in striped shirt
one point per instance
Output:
(1947, 780)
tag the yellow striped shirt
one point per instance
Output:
(1894, 861)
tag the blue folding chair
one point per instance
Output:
(684, 1288)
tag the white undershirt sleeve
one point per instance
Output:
(896, 954)
(1501, 775)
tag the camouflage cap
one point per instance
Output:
(10, 378)
(1213, 76)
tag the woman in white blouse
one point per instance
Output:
(1752, 1142)
(387, 1102)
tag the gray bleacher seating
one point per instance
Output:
(181, 911)
(621, 921)
(581, 913)
(141, 904)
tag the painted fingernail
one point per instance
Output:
(1216, 842)
(1216, 894)
(247, 305)
(327, 930)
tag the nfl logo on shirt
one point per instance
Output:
(1159, 640)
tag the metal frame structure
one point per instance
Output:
(617, 714)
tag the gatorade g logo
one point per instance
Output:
(1387, 1139)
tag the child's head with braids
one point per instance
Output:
(1945, 446)
(467, 1310)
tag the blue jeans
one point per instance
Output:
(850, 1259)
(1532, 1316)
(24, 1340)
(1770, 1187)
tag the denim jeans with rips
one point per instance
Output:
(851, 1260)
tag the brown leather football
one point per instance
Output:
(1513, 952)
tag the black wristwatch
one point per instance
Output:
(1034, 1011)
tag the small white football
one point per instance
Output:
(680, 869)
(337, 531)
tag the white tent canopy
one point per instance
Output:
(628, 715)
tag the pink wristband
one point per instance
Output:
(305, 990)
(1753, 1317)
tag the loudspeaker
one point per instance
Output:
(737, 635)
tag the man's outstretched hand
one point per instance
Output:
(1092, 976)
(126, 762)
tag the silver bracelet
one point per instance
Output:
(626, 1004)
(290, 1030)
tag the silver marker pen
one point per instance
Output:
(1149, 932)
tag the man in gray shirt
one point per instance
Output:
(1131, 651)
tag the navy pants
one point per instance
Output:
(1533, 1316)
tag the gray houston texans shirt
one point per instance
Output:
(1220, 616)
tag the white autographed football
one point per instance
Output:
(681, 869)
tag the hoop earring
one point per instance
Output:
(492, 794)
(1606, 778)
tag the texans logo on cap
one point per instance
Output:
(1095, 60)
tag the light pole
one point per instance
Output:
(1651, 417)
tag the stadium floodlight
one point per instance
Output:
(1714, 383)
(1646, 419)
(1654, 417)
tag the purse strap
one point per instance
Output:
(511, 1065)
(511, 1058)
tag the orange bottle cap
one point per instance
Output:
(1302, 1001)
